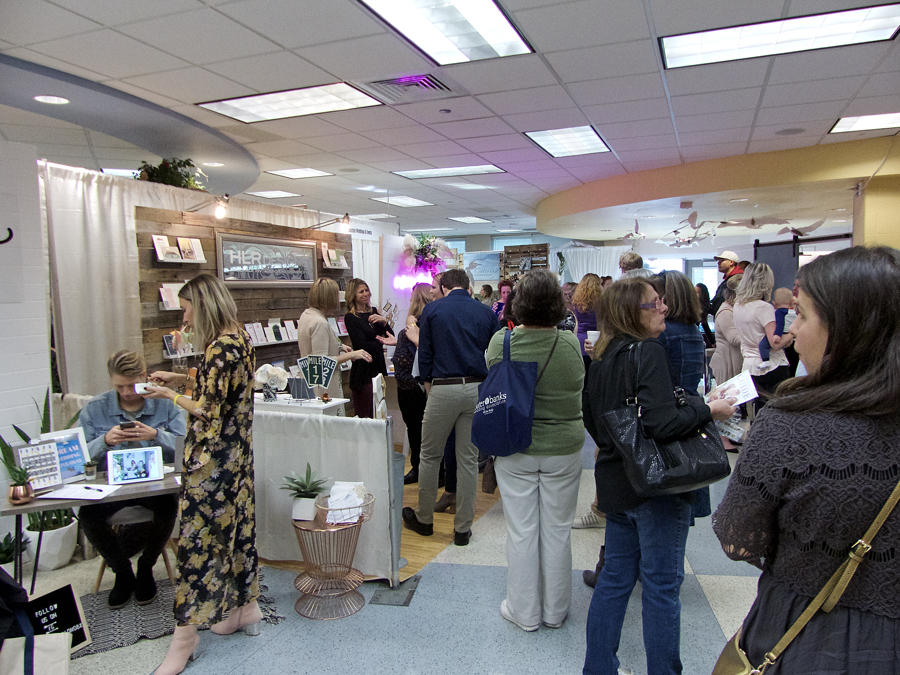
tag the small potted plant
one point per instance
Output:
(20, 490)
(60, 537)
(8, 551)
(90, 469)
(304, 489)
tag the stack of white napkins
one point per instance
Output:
(345, 495)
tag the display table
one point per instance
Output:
(337, 448)
(285, 403)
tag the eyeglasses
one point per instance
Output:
(657, 304)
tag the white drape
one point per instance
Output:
(367, 264)
(602, 261)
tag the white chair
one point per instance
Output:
(379, 404)
(132, 515)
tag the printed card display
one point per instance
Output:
(169, 295)
(191, 249)
(342, 328)
(291, 329)
(317, 370)
(740, 387)
(164, 251)
(270, 334)
(42, 462)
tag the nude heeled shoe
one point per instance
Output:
(246, 618)
(183, 649)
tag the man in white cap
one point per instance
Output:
(728, 265)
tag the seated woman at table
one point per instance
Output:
(315, 336)
(155, 423)
(364, 325)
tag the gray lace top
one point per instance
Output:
(806, 487)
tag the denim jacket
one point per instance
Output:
(686, 353)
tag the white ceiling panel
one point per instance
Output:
(813, 130)
(618, 89)
(29, 134)
(202, 115)
(717, 77)
(429, 112)
(582, 24)
(652, 108)
(785, 143)
(794, 115)
(506, 74)
(856, 136)
(627, 58)
(277, 71)
(164, 101)
(491, 126)
(365, 119)
(714, 102)
(527, 100)
(398, 135)
(647, 165)
(727, 120)
(116, 12)
(815, 91)
(435, 149)
(374, 154)
(190, 85)
(823, 64)
(891, 62)
(25, 23)
(671, 18)
(594, 159)
(200, 37)
(451, 161)
(298, 127)
(669, 155)
(881, 85)
(370, 58)
(589, 173)
(321, 160)
(50, 62)
(550, 119)
(489, 143)
(504, 158)
(283, 148)
(708, 136)
(873, 105)
(302, 24)
(341, 142)
(652, 127)
(644, 143)
(697, 153)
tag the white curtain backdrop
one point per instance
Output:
(367, 265)
(602, 261)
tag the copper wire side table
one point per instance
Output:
(328, 586)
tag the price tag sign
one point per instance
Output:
(317, 370)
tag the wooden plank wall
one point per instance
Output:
(254, 304)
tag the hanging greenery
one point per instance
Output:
(177, 172)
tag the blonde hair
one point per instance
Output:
(126, 364)
(353, 287)
(421, 296)
(324, 294)
(756, 284)
(214, 310)
(587, 293)
(782, 296)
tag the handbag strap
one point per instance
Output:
(28, 632)
(837, 584)
(506, 357)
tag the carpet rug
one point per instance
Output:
(111, 629)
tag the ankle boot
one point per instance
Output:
(182, 649)
(246, 618)
(120, 595)
(590, 576)
(145, 585)
(447, 500)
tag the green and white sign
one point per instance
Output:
(317, 370)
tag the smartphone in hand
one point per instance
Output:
(127, 425)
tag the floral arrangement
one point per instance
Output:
(271, 376)
(425, 253)
(178, 172)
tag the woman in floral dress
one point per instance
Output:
(218, 576)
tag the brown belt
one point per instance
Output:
(459, 380)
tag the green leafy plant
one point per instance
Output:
(178, 172)
(90, 462)
(8, 547)
(53, 520)
(304, 486)
(17, 474)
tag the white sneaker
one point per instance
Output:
(589, 519)
(506, 614)
(624, 671)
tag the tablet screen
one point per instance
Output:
(134, 465)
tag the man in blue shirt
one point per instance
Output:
(454, 333)
(156, 422)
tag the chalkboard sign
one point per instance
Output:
(60, 611)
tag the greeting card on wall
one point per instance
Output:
(191, 249)
(165, 252)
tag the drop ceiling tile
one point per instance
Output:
(190, 85)
(203, 36)
(306, 126)
(651, 109)
(283, 148)
(674, 18)
(436, 149)
(813, 129)
(102, 141)
(826, 63)
(856, 136)
(410, 134)
(429, 112)
(698, 153)
(277, 71)
(301, 24)
(873, 105)
(647, 165)
(714, 102)
(506, 74)
(594, 159)
(644, 143)
(527, 100)
(663, 154)
(550, 119)
(25, 23)
(516, 168)
(814, 91)
(794, 115)
(201, 115)
(30, 134)
(627, 58)
(587, 174)
(891, 63)
(489, 126)
(451, 161)
(115, 12)
(503, 158)
(717, 77)
(489, 143)
(786, 143)
(366, 119)
(708, 137)
(374, 154)
(270, 164)
(338, 143)
(320, 160)
(552, 185)
(10, 115)
(582, 24)
(618, 89)
(652, 127)
(711, 121)
(376, 57)
(50, 62)
(880, 85)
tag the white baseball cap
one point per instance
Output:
(727, 255)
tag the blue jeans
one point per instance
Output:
(648, 543)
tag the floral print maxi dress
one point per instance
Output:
(217, 559)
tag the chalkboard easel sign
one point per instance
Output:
(60, 611)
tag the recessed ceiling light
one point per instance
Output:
(455, 171)
(273, 194)
(471, 186)
(470, 220)
(52, 100)
(405, 202)
(453, 31)
(793, 131)
(213, 164)
(866, 123)
(371, 188)
(293, 103)
(123, 173)
(804, 33)
(375, 216)
(510, 230)
(300, 173)
(742, 199)
(569, 142)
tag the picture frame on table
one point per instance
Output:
(72, 450)
(265, 262)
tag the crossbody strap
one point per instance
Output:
(837, 584)
(547, 362)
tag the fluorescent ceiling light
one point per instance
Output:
(569, 142)
(293, 103)
(375, 216)
(213, 164)
(273, 194)
(866, 123)
(510, 230)
(742, 199)
(804, 33)
(453, 31)
(432, 229)
(371, 188)
(300, 173)
(470, 220)
(123, 173)
(52, 100)
(471, 186)
(401, 201)
(455, 171)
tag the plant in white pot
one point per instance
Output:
(8, 551)
(305, 489)
(59, 539)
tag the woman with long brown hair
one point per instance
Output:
(584, 306)
(364, 325)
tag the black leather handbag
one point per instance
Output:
(654, 468)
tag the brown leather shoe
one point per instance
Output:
(590, 576)
(447, 501)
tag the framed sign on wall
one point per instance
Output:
(250, 262)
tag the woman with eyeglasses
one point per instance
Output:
(645, 538)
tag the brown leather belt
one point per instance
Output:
(459, 380)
